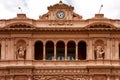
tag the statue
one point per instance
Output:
(21, 51)
(99, 52)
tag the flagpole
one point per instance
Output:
(100, 8)
(20, 9)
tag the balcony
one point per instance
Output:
(65, 63)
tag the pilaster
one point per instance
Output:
(3, 49)
(90, 52)
(29, 50)
(116, 53)
(108, 52)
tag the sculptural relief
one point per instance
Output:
(21, 50)
(99, 52)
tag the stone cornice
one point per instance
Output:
(61, 29)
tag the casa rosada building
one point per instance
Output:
(60, 45)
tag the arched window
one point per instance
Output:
(60, 50)
(38, 50)
(49, 48)
(71, 50)
(82, 50)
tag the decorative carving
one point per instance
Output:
(60, 71)
(20, 71)
(3, 72)
(116, 71)
(61, 77)
(100, 77)
(2, 78)
(40, 77)
(100, 71)
(20, 78)
(81, 77)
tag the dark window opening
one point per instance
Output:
(60, 50)
(71, 50)
(49, 50)
(82, 50)
(38, 50)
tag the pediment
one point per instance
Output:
(19, 25)
(100, 25)
(60, 5)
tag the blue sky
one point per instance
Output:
(35, 8)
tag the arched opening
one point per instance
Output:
(82, 50)
(60, 50)
(71, 50)
(38, 50)
(49, 50)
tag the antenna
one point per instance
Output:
(20, 9)
(100, 9)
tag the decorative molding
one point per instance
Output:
(21, 71)
(3, 72)
(59, 71)
(116, 72)
(61, 77)
(100, 77)
(100, 71)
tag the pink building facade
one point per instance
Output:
(60, 45)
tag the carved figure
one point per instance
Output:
(21, 51)
(99, 52)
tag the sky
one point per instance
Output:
(35, 8)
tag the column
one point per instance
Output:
(3, 50)
(44, 52)
(55, 52)
(76, 52)
(65, 51)
(116, 57)
(108, 53)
